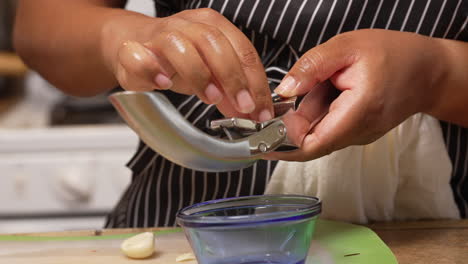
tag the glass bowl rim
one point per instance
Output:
(305, 212)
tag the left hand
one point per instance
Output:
(384, 77)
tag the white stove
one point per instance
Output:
(62, 178)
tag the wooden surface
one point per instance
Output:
(441, 242)
(104, 232)
(90, 251)
(334, 243)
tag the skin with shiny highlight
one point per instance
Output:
(195, 52)
(383, 76)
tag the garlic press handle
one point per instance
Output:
(160, 125)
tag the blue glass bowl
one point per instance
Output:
(251, 230)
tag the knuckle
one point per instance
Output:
(262, 98)
(232, 80)
(308, 63)
(172, 35)
(212, 34)
(200, 77)
(168, 24)
(175, 21)
(249, 58)
(184, 13)
(170, 40)
(208, 14)
(354, 46)
(164, 23)
(347, 37)
(311, 61)
(204, 75)
(233, 84)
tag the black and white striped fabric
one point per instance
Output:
(281, 31)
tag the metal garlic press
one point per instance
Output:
(160, 125)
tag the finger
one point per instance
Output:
(193, 75)
(317, 101)
(139, 69)
(297, 126)
(228, 109)
(286, 156)
(257, 89)
(318, 65)
(341, 127)
(216, 50)
(313, 107)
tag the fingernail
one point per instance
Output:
(265, 115)
(286, 87)
(245, 102)
(163, 81)
(213, 94)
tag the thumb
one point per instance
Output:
(313, 107)
(316, 66)
(338, 129)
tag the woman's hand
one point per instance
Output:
(193, 52)
(383, 76)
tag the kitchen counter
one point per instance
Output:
(412, 242)
(427, 242)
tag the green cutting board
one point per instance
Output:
(333, 243)
(342, 243)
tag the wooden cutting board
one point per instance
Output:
(68, 250)
(333, 242)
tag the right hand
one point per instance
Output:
(196, 52)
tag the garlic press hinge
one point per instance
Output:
(266, 136)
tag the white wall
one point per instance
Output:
(142, 6)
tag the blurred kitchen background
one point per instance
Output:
(62, 158)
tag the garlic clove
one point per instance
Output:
(138, 246)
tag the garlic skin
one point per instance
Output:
(185, 257)
(139, 246)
